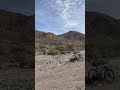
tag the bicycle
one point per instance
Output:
(101, 72)
(76, 57)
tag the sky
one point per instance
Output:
(110, 7)
(56, 16)
(20, 6)
(60, 16)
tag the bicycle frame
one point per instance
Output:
(101, 69)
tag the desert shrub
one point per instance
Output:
(60, 47)
(44, 53)
(67, 51)
(42, 46)
(53, 52)
(63, 52)
(23, 57)
(70, 47)
(43, 50)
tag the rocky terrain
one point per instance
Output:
(102, 34)
(53, 68)
(102, 44)
(16, 37)
(49, 43)
(58, 73)
(16, 51)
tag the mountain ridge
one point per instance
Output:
(16, 38)
(102, 34)
(57, 42)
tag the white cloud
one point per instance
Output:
(69, 10)
(71, 24)
(59, 16)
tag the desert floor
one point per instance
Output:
(57, 73)
(17, 79)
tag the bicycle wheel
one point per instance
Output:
(109, 75)
(92, 74)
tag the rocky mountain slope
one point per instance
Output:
(49, 43)
(74, 36)
(102, 34)
(16, 37)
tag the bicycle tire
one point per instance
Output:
(92, 74)
(108, 73)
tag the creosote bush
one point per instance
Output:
(53, 52)
(63, 52)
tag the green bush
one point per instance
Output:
(53, 52)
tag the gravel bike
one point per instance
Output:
(101, 72)
(76, 57)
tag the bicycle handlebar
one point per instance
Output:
(100, 64)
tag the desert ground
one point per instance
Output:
(17, 79)
(57, 73)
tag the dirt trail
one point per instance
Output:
(53, 73)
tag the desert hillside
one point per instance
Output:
(16, 51)
(102, 45)
(16, 37)
(49, 43)
(74, 36)
(102, 35)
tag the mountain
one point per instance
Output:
(74, 36)
(103, 24)
(16, 27)
(102, 34)
(16, 37)
(67, 42)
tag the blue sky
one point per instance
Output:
(60, 16)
